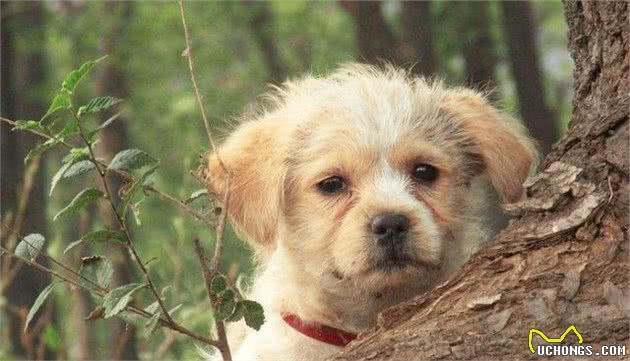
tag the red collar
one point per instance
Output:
(323, 333)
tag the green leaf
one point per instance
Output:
(71, 128)
(196, 195)
(97, 269)
(72, 245)
(254, 314)
(60, 101)
(71, 81)
(39, 301)
(218, 284)
(97, 104)
(104, 235)
(40, 148)
(226, 305)
(30, 246)
(117, 299)
(132, 159)
(151, 325)
(81, 200)
(75, 163)
(27, 125)
(79, 168)
(239, 312)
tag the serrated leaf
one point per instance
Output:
(117, 299)
(39, 301)
(254, 314)
(103, 235)
(131, 159)
(226, 305)
(81, 200)
(97, 269)
(72, 79)
(218, 284)
(72, 245)
(60, 101)
(74, 164)
(79, 168)
(196, 195)
(30, 246)
(97, 104)
(27, 125)
(40, 148)
(239, 312)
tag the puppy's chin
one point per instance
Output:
(395, 275)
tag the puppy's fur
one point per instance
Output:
(370, 127)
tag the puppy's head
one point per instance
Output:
(364, 174)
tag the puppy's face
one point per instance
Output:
(363, 175)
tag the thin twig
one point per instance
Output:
(121, 222)
(140, 312)
(224, 346)
(191, 69)
(207, 277)
(129, 178)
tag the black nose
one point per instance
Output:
(389, 227)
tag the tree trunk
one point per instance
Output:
(112, 81)
(375, 41)
(23, 71)
(519, 26)
(564, 259)
(417, 37)
(478, 49)
(261, 24)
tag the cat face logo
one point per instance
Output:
(571, 328)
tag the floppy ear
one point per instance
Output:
(508, 155)
(254, 155)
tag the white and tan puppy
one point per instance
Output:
(358, 191)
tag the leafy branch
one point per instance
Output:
(134, 167)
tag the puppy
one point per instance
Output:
(358, 191)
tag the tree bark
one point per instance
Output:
(564, 259)
(416, 47)
(111, 80)
(23, 71)
(519, 24)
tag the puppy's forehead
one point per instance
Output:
(376, 112)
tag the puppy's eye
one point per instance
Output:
(425, 173)
(331, 185)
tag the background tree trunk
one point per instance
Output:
(417, 37)
(23, 76)
(518, 23)
(564, 259)
(111, 80)
(375, 40)
(261, 24)
(478, 49)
